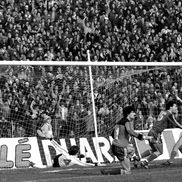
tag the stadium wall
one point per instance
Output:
(19, 152)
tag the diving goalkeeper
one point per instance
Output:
(64, 158)
(61, 161)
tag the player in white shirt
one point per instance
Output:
(64, 158)
(62, 161)
(46, 129)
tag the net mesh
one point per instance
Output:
(64, 93)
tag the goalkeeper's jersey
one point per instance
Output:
(64, 159)
(165, 120)
(61, 161)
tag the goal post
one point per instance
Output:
(93, 105)
(83, 98)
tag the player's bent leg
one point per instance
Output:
(115, 171)
(172, 156)
(153, 156)
(146, 153)
(171, 159)
(122, 154)
(176, 147)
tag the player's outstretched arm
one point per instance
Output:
(132, 132)
(177, 123)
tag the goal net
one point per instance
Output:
(64, 92)
(83, 99)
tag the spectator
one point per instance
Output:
(63, 125)
(113, 31)
(29, 91)
(140, 121)
(34, 116)
(149, 122)
(103, 113)
(82, 124)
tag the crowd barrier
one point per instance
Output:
(19, 152)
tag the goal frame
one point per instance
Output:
(89, 64)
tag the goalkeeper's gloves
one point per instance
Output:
(140, 136)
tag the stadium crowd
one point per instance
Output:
(113, 30)
(63, 93)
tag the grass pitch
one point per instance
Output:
(156, 173)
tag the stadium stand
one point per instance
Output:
(63, 30)
(28, 92)
(113, 30)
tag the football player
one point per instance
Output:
(121, 146)
(64, 158)
(165, 120)
(177, 145)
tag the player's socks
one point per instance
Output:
(146, 153)
(149, 159)
(170, 161)
(173, 154)
(126, 164)
(152, 157)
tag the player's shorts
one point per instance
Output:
(56, 161)
(119, 152)
(155, 143)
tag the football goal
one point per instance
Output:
(83, 99)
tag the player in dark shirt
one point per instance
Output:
(165, 120)
(177, 145)
(121, 146)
